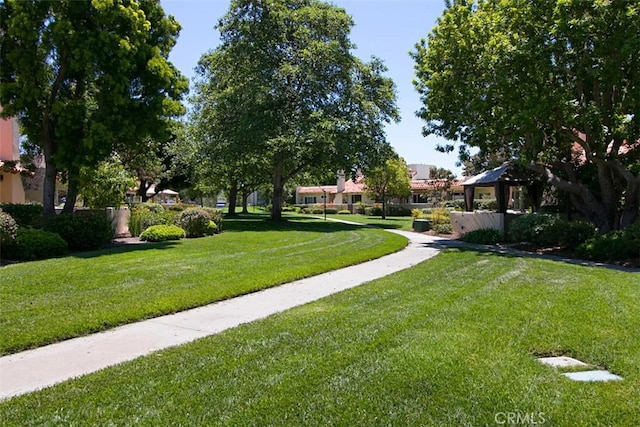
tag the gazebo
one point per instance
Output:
(502, 179)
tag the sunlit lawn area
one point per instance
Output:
(46, 301)
(452, 341)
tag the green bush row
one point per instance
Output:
(617, 245)
(78, 232)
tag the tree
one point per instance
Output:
(285, 95)
(440, 180)
(388, 181)
(105, 185)
(552, 84)
(82, 75)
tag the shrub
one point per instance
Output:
(373, 211)
(485, 204)
(331, 211)
(153, 207)
(537, 229)
(344, 212)
(443, 228)
(161, 233)
(8, 228)
(216, 217)
(483, 236)
(194, 221)
(617, 245)
(82, 231)
(457, 205)
(360, 208)
(439, 216)
(212, 229)
(142, 218)
(395, 210)
(575, 233)
(25, 214)
(32, 244)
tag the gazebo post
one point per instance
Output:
(469, 191)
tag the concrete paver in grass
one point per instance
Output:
(42, 367)
(563, 362)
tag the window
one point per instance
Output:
(309, 200)
(356, 198)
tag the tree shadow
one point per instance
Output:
(121, 248)
(261, 222)
(508, 252)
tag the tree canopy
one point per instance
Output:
(83, 75)
(389, 180)
(283, 95)
(552, 84)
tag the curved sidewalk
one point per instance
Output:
(44, 366)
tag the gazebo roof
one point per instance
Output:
(508, 172)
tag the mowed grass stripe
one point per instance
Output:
(451, 341)
(47, 301)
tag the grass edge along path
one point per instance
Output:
(451, 341)
(49, 301)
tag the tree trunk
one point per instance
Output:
(278, 189)
(384, 206)
(245, 197)
(233, 198)
(72, 193)
(631, 203)
(50, 171)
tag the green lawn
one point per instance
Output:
(391, 222)
(452, 341)
(47, 301)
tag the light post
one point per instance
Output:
(324, 196)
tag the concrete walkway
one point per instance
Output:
(44, 366)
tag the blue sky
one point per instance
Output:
(388, 29)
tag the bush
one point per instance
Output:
(25, 214)
(161, 233)
(442, 228)
(484, 236)
(395, 210)
(142, 218)
(457, 205)
(32, 244)
(537, 229)
(82, 231)
(617, 245)
(344, 212)
(439, 216)
(153, 207)
(212, 229)
(575, 233)
(331, 211)
(360, 208)
(373, 211)
(8, 228)
(485, 204)
(194, 221)
(216, 217)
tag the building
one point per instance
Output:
(11, 189)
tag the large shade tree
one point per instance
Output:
(81, 75)
(287, 93)
(553, 84)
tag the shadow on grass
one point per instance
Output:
(263, 222)
(124, 248)
(515, 253)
